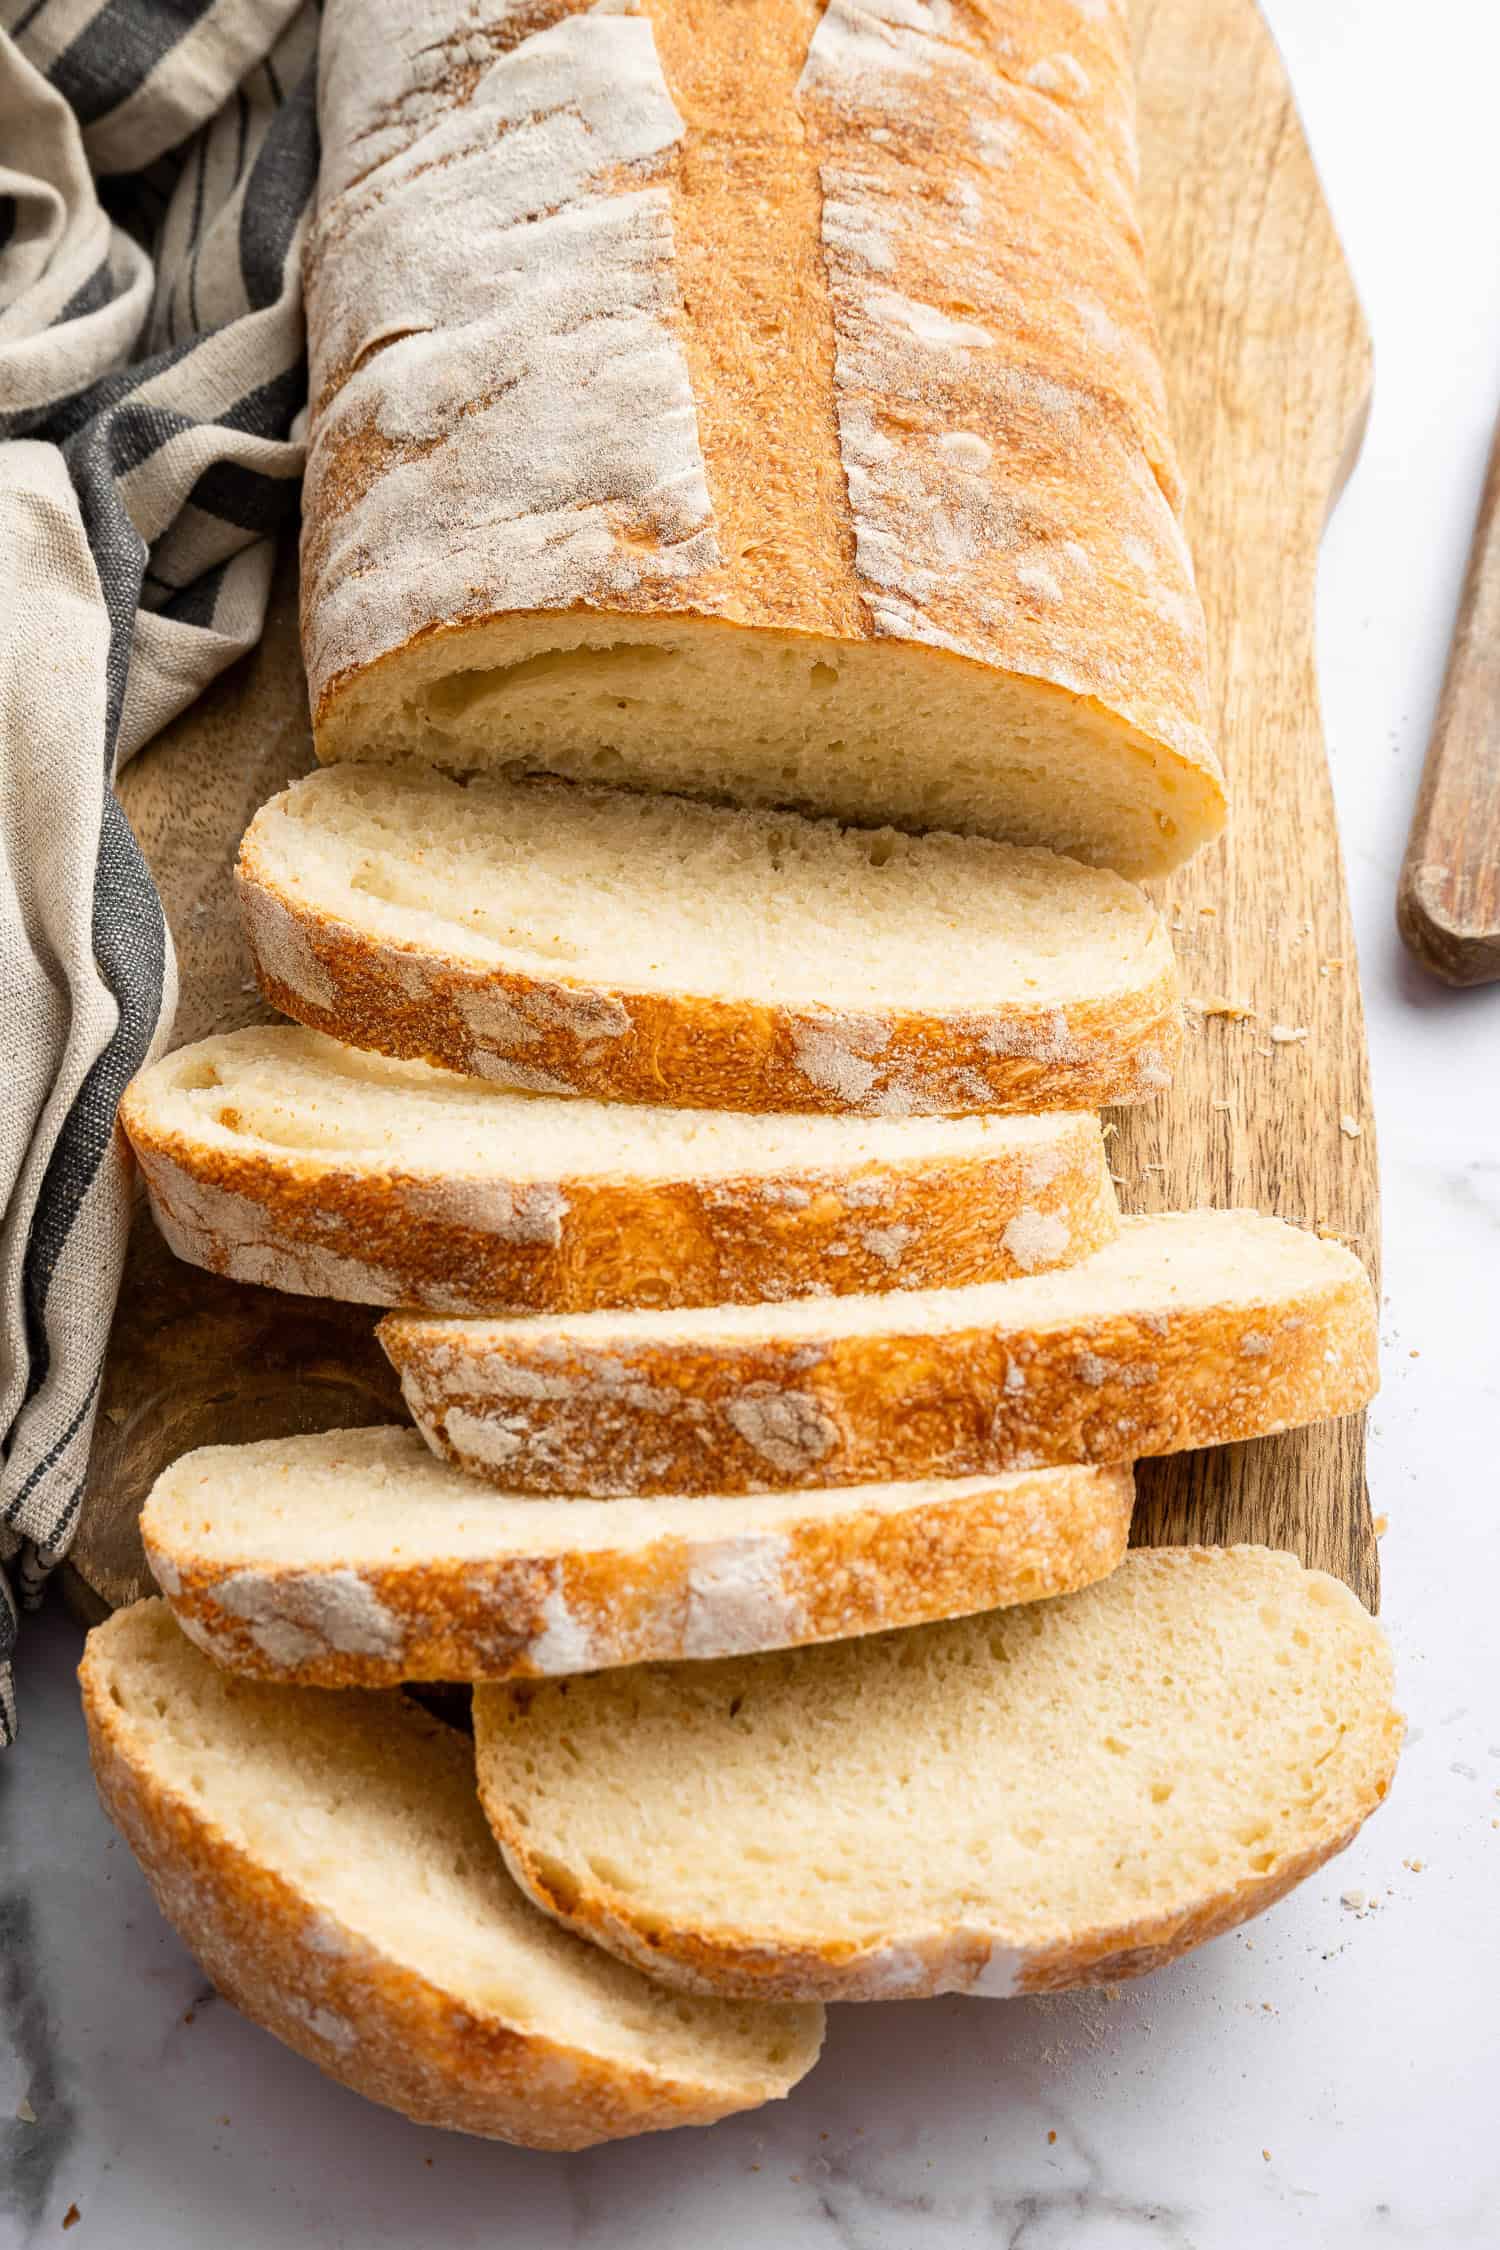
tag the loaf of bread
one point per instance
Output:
(325, 1858)
(353, 1559)
(1044, 1797)
(649, 949)
(760, 402)
(1190, 1328)
(279, 1156)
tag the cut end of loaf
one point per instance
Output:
(869, 732)
(1039, 1798)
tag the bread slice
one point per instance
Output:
(1058, 1795)
(279, 1156)
(1191, 1328)
(325, 1858)
(762, 402)
(648, 949)
(354, 1559)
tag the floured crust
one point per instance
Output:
(747, 1413)
(867, 287)
(694, 1052)
(306, 1223)
(366, 2020)
(515, 1614)
(1001, 408)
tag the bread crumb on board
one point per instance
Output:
(1287, 1035)
(1214, 1005)
(1350, 1127)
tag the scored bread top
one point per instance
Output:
(325, 1858)
(279, 1156)
(354, 1558)
(1191, 1328)
(740, 350)
(1062, 1794)
(648, 949)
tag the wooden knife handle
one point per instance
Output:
(1448, 902)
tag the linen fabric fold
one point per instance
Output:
(158, 160)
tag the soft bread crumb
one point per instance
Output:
(1114, 1769)
(621, 892)
(347, 1824)
(286, 1095)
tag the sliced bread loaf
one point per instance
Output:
(355, 1559)
(1058, 1795)
(281, 1156)
(1191, 1328)
(648, 949)
(325, 1858)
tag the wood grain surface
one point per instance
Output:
(1268, 363)
(1269, 368)
(194, 1359)
(1448, 900)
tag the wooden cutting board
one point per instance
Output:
(1269, 367)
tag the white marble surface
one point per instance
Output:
(1328, 2078)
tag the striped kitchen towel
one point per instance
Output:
(157, 163)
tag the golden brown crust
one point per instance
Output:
(752, 1414)
(530, 1616)
(694, 1052)
(368, 2021)
(294, 1221)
